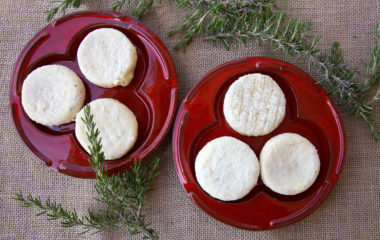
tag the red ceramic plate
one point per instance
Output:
(151, 95)
(309, 112)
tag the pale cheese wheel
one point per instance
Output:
(107, 58)
(289, 164)
(117, 126)
(254, 105)
(227, 168)
(52, 95)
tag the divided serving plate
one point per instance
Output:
(309, 112)
(151, 95)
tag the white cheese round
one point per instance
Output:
(254, 105)
(289, 164)
(227, 168)
(107, 58)
(117, 126)
(52, 95)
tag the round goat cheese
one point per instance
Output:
(52, 95)
(117, 126)
(107, 58)
(254, 105)
(227, 168)
(289, 164)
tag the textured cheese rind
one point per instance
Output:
(107, 58)
(52, 95)
(289, 164)
(117, 126)
(254, 105)
(227, 168)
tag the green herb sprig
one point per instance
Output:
(123, 194)
(142, 7)
(234, 22)
(208, 18)
(61, 5)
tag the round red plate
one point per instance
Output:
(151, 95)
(309, 112)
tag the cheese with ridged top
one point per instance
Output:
(254, 105)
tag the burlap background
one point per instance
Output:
(352, 211)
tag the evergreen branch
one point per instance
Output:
(234, 22)
(123, 194)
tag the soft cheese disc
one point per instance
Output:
(254, 105)
(289, 164)
(52, 95)
(107, 58)
(117, 126)
(227, 168)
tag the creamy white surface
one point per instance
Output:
(52, 95)
(227, 168)
(254, 105)
(289, 164)
(107, 58)
(117, 125)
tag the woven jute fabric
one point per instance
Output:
(352, 211)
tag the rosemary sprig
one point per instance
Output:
(142, 7)
(232, 22)
(124, 194)
(55, 211)
(61, 5)
(373, 72)
(217, 17)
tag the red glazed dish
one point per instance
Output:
(309, 112)
(151, 95)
